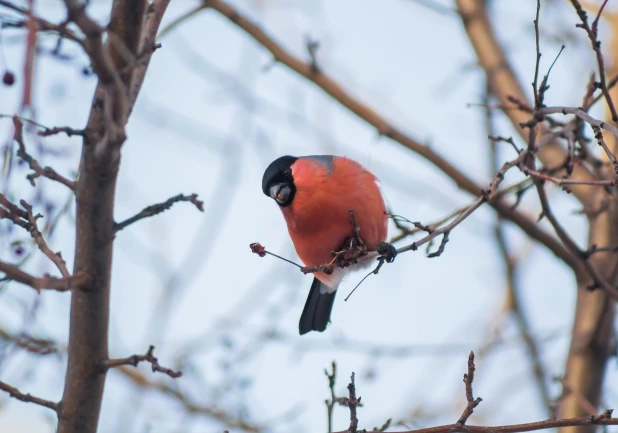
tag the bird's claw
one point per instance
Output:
(386, 250)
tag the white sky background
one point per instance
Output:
(209, 120)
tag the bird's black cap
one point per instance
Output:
(277, 172)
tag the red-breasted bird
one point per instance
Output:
(315, 194)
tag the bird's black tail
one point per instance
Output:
(316, 313)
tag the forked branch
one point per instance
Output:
(136, 359)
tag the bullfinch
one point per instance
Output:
(316, 194)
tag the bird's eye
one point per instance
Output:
(287, 172)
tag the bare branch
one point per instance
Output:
(564, 181)
(47, 282)
(56, 258)
(27, 398)
(592, 33)
(47, 172)
(440, 249)
(582, 115)
(418, 227)
(257, 248)
(136, 359)
(27, 220)
(486, 196)
(353, 403)
(472, 402)
(599, 420)
(46, 132)
(155, 209)
(330, 404)
(599, 136)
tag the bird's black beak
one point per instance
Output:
(281, 192)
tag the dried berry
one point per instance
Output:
(8, 78)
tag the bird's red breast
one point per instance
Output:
(318, 218)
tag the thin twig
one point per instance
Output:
(468, 378)
(440, 249)
(158, 208)
(56, 258)
(582, 115)
(257, 248)
(136, 359)
(564, 181)
(486, 196)
(353, 403)
(599, 137)
(330, 404)
(27, 398)
(46, 132)
(405, 232)
(39, 171)
(538, 98)
(592, 33)
(26, 219)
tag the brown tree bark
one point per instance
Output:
(95, 192)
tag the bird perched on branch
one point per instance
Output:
(336, 218)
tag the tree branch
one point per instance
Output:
(27, 220)
(353, 403)
(47, 172)
(27, 398)
(592, 33)
(599, 420)
(330, 404)
(47, 282)
(472, 402)
(155, 209)
(136, 359)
